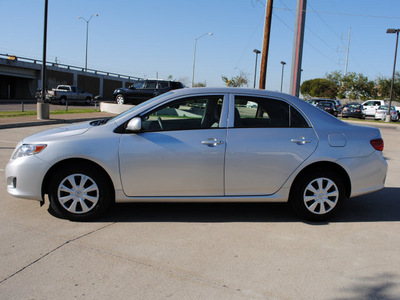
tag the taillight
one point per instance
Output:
(377, 144)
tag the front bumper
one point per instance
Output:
(25, 176)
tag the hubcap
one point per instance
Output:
(78, 193)
(120, 99)
(321, 196)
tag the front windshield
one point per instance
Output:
(138, 107)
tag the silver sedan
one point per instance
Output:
(203, 145)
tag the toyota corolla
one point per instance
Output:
(202, 145)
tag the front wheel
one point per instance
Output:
(317, 195)
(79, 193)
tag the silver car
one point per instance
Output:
(202, 145)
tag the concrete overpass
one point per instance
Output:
(20, 78)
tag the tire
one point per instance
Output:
(120, 99)
(79, 193)
(88, 101)
(317, 195)
(63, 100)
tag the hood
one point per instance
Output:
(58, 133)
(121, 90)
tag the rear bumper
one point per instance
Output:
(367, 174)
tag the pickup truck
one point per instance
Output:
(64, 93)
(370, 107)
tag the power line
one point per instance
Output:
(327, 25)
(341, 14)
(316, 49)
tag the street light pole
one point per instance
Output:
(87, 35)
(194, 55)
(43, 107)
(255, 68)
(391, 30)
(283, 65)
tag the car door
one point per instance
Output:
(267, 141)
(180, 151)
(149, 90)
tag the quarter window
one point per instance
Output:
(162, 84)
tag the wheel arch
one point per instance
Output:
(74, 161)
(325, 165)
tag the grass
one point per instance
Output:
(10, 114)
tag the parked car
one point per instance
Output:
(383, 111)
(371, 106)
(201, 145)
(64, 93)
(337, 103)
(144, 90)
(328, 106)
(353, 110)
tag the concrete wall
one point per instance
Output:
(21, 79)
(89, 84)
(55, 78)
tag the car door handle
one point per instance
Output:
(212, 142)
(300, 140)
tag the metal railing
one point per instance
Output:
(67, 67)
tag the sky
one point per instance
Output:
(155, 38)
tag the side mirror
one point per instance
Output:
(134, 125)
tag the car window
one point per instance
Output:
(185, 114)
(138, 85)
(162, 84)
(151, 85)
(252, 112)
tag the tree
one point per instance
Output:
(237, 81)
(319, 87)
(200, 84)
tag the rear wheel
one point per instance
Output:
(120, 99)
(63, 100)
(317, 195)
(79, 193)
(88, 100)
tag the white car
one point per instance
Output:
(383, 111)
(370, 107)
(171, 149)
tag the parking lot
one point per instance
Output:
(202, 251)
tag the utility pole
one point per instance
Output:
(347, 53)
(264, 51)
(298, 48)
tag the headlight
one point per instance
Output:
(28, 149)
